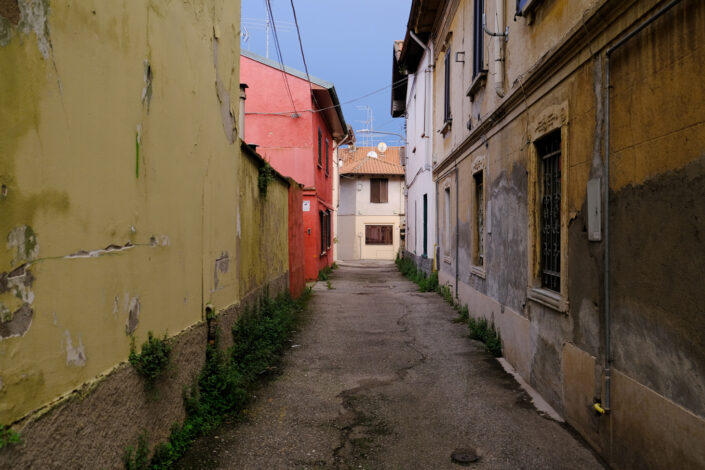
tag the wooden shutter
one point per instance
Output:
(383, 197)
(374, 190)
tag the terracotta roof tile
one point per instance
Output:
(357, 162)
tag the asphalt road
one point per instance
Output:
(381, 377)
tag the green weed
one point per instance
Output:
(153, 359)
(482, 330)
(8, 437)
(325, 273)
(225, 384)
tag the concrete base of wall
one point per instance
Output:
(644, 428)
(93, 425)
(423, 263)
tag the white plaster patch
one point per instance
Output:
(74, 356)
(116, 305)
(102, 251)
(23, 242)
(33, 18)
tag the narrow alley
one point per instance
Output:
(380, 376)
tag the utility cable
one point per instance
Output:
(279, 54)
(301, 46)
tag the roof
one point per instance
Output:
(356, 162)
(329, 104)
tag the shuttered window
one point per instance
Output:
(549, 152)
(378, 190)
(379, 234)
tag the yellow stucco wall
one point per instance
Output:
(121, 180)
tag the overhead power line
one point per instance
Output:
(394, 85)
(301, 46)
(279, 54)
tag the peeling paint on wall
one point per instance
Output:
(226, 113)
(95, 253)
(23, 241)
(147, 90)
(16, 319)
(74, 356)
(222, 265)
(138, 141)
(133, 316)
(27, 16)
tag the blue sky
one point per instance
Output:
(348, 43)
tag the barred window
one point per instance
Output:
(479, 219)
(548, 150)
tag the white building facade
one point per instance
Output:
(371, 207)
(414, 100)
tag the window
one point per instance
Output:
(548, 150)
(479, 222)
(320, 155)
(446, 222)
(327, 157)
(322, 217)
(378, 190)
(328, 229)
(378, 234)
(446, 90)
(425, 225)
(478, 56)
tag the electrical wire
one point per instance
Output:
(394, 85)
(281, 57)
(301, 46)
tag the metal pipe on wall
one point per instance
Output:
(606, 406)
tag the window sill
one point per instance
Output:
(446, 127)
(478, 271)
(477, 83)
(548, 298)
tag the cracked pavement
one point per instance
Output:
(381, 377)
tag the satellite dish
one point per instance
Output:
(382, 147)
(372, 154)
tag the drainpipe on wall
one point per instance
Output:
(241, 119)
(499, 50)
(457, 228)
(605, 407)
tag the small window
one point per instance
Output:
(479, 249)
(327, 157)
(446, 89)
(320, 149)
(478, 56)
(378, 234)
(446, 222)
(548, 150)
(322, 217)
(378, 190)
(328, 229)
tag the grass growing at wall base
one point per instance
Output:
(8, 437)
(224, 385)
(152, 360)
(480, 329)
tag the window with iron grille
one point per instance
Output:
(328, 229)
(478, 65)
(379, 234)
(548, 150)
(479, 219)
(446, 90)
(378, 190)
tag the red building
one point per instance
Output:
(295, 124)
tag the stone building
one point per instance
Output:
(568, 153)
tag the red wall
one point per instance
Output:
(297, 281)
(290, 145)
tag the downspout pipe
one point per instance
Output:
(606, 406)
(457, 229)
(427, 96)
(499, 50)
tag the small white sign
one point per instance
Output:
(307, 206)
